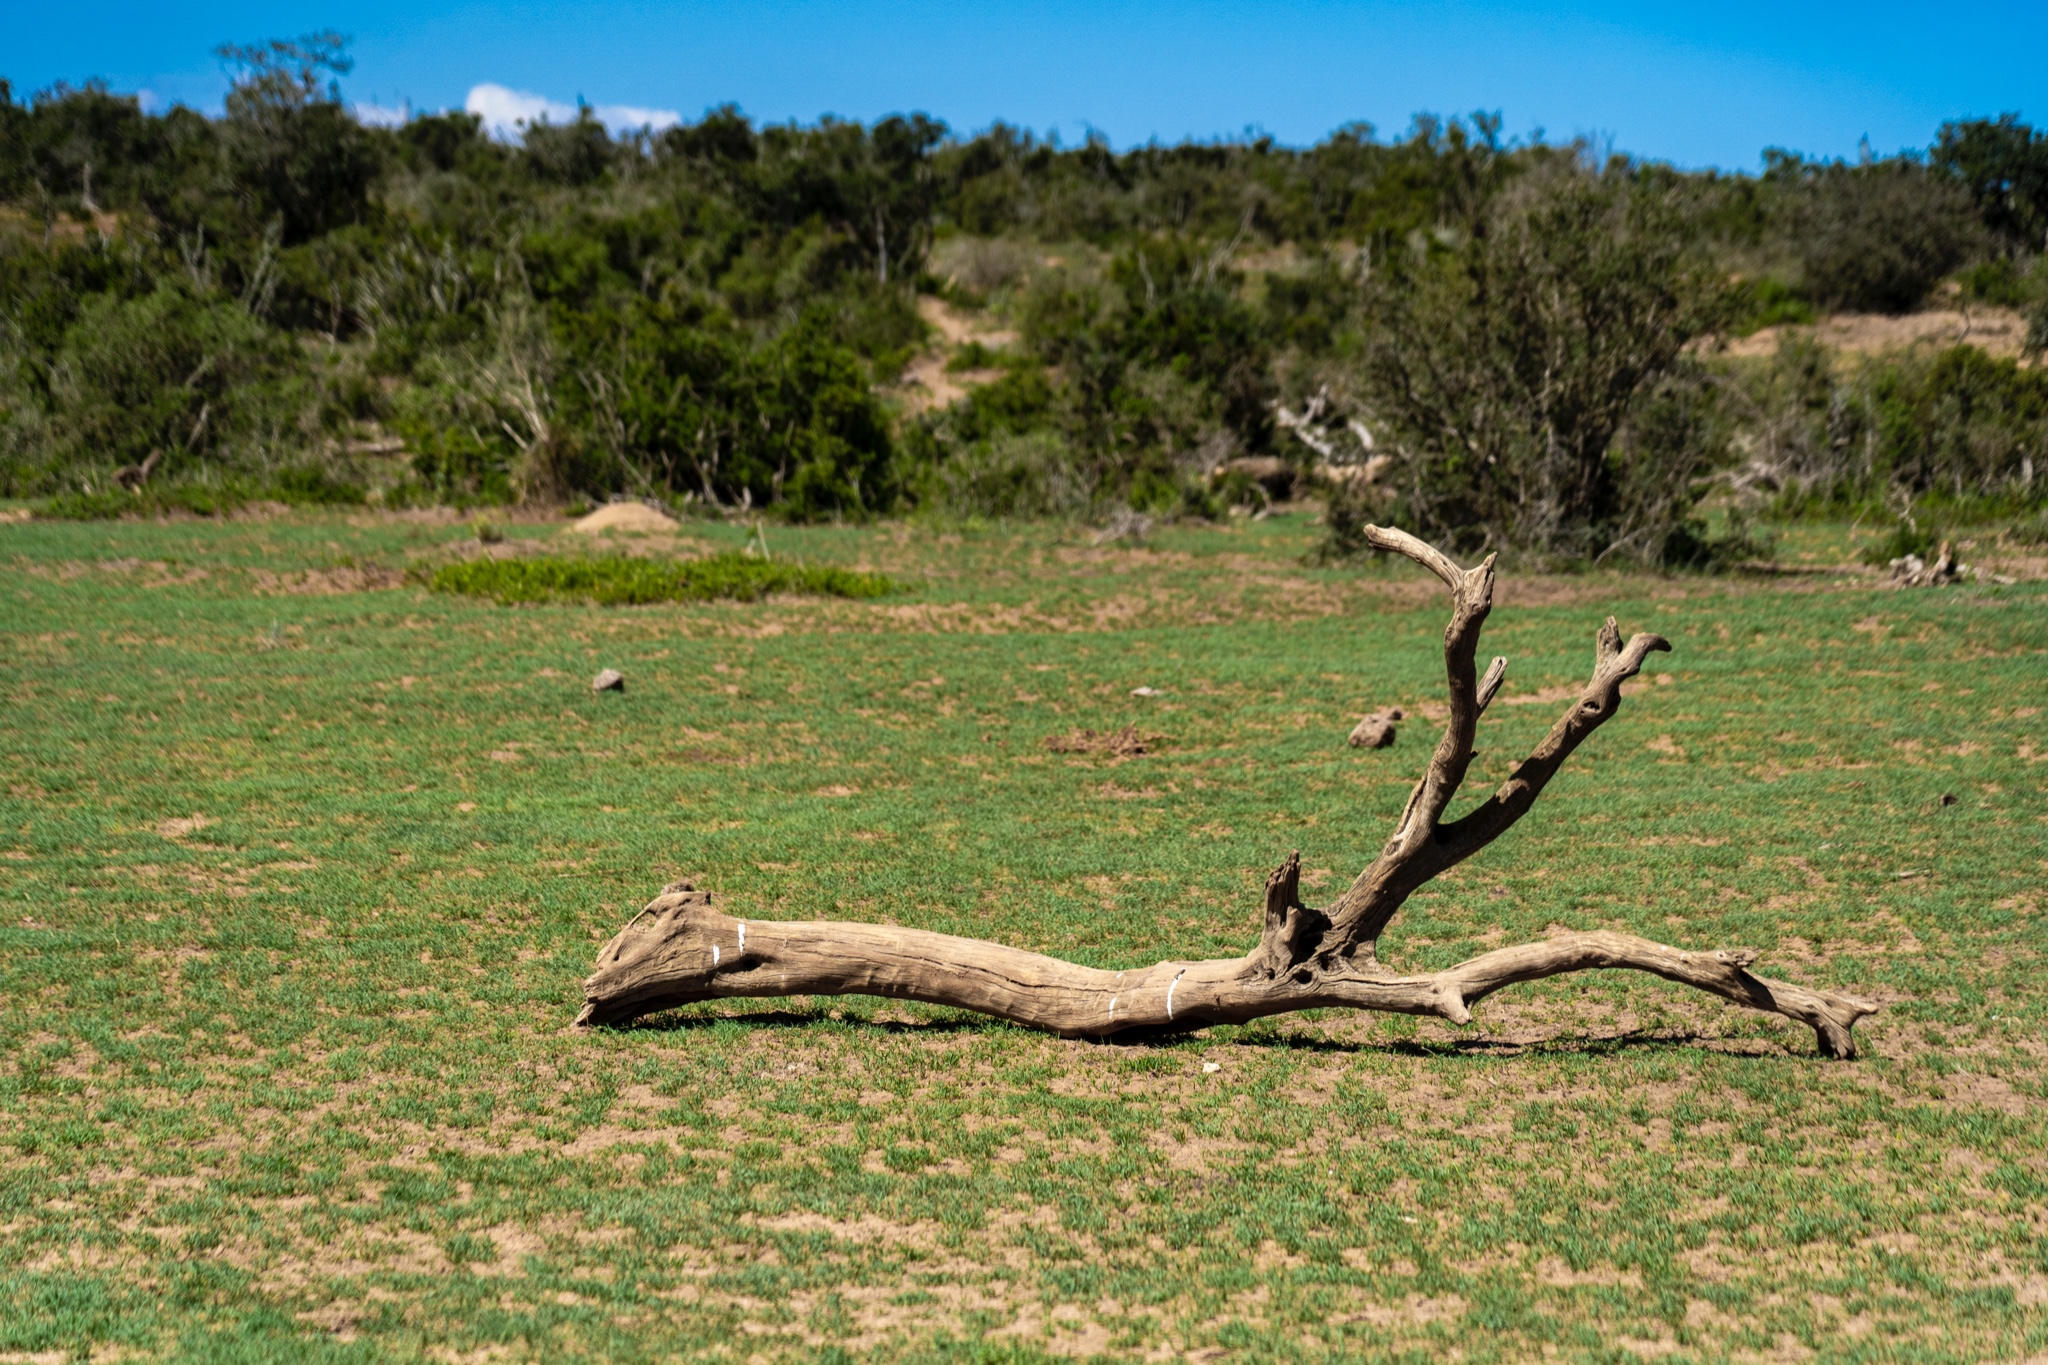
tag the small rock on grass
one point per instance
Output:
(611, 680)
(1376, 731)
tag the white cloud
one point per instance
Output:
(505, 112)
(382, 115)
(625, 118)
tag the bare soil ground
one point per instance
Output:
(1997, 331)
(926, 382)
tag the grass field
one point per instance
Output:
(301, 865)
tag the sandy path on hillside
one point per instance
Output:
(926, 384)
(1998, 331)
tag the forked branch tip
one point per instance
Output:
(1490, 684)
(1396, 541)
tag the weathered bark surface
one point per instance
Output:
(682, 948)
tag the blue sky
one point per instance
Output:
(1694, 84)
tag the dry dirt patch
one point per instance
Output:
(926, 383)
(1124, 743)
(326, 582)
(1997, 331)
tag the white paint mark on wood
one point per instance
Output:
(1169, 991)
(714, 954)
(743, 936)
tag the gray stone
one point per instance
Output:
(611, 680)
(1374, 732)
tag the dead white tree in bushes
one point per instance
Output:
(684, 947)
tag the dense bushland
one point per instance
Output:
(1510, 337)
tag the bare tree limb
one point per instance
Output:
(682, 948)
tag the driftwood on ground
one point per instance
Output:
(683, 947)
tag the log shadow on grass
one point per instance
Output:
(689, 1020)
(1664, 1041)
(1614, 1046)
(686, 1021)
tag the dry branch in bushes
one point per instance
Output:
(682, 947)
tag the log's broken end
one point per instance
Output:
(1835, 1027)
(664, 956)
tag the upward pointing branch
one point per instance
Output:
(1614, 664)
(1422, 846)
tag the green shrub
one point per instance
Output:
(2003, 164)
(1874, 237)
(198, 499)
(1958, 428)
(975, 356)
(692, 404)
(1513, 364)
(458, 456)
(311, 486)
(1692, 544)
(2031, 530)
(102, 505)
(619, 581)
(1350, 509)
(1012, 474)
(1998, 281)
(1963, 426)
(1769, 302)
(305, 486)
(194, 376)
(1907, 538)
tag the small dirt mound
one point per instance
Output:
(635, 517)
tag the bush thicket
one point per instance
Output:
(273, 301)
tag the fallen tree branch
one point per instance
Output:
(683, 948)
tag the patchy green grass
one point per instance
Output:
(299, 875)
(296, 488)
(619, 580)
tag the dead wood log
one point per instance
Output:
(683, 947)
(1910, 571)
(132, 477)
